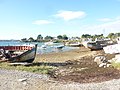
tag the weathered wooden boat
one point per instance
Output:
(18, 53)
(17, 47)
(94, 46)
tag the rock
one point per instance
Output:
(112, 49)
(25, 83)
(100, 59)
(110, 61)
(102, 65)
(108, 65)
(117, 57)
(22, 80)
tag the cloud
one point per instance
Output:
(117, 18)
(105, 28)
(70, 15)
(104, 19)
(39, 22)
(114, 24)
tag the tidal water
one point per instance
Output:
(40, 49)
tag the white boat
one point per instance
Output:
(74, 44)
(43, 46)
(59, 46)
(48, 43)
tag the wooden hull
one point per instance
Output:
(94, 46)
(15, 48)
(27, 56)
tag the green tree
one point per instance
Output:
(60, 37)
(65, 37)
(48, 37)
(111, 35)
(39, 37)
(86, 36)
(24, 40)
(31, 39)
(117, 34)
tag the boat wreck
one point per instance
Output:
(94, 46)
(18, 53)
(97, 45)
(110, 49)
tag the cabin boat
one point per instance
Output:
(94, 46)
(18, 53)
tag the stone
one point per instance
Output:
(103, 65)
(99, 59)
(22, 80)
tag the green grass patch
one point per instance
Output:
(42, 69)
(116, 65)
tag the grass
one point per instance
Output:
(116, 65)
(42, 69)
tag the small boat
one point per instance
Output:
(94, 46)
(74, 44)
(49, 43)
(60, 46)
(18, 53)
(43, 46)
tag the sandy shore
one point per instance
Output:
(63, 56)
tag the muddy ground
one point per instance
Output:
(79, 66)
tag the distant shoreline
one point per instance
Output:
(9, 40)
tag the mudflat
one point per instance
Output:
(63, 56)
(79, 66)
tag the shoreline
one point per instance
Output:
(10, 79)
(63, 56)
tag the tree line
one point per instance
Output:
(40, 38)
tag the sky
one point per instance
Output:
(29, 18)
